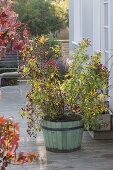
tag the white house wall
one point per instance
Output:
(81, 19)
(87, 20)
(111, 56)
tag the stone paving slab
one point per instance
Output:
(94, 155)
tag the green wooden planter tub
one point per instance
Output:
(62, 136)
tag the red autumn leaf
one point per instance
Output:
(31, 156)
(3, 22)
(3, 14)
(2, 120)
(12, 150)
(25, 32)
(16, 126)
(18, 24)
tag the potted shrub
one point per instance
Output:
(90, 78)
(62, 104)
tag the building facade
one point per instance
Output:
(93, 19)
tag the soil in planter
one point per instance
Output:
(107, 112)
(64, 118)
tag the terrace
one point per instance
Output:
(94, 154)
(52, 100)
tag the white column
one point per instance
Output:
(96, 25)
(71, 23)
(77, 21)
(87, 22)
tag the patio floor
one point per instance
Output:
(94, 155)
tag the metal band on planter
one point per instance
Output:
(63, 129)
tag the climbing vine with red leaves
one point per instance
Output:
(13, 36)
(9, 143)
